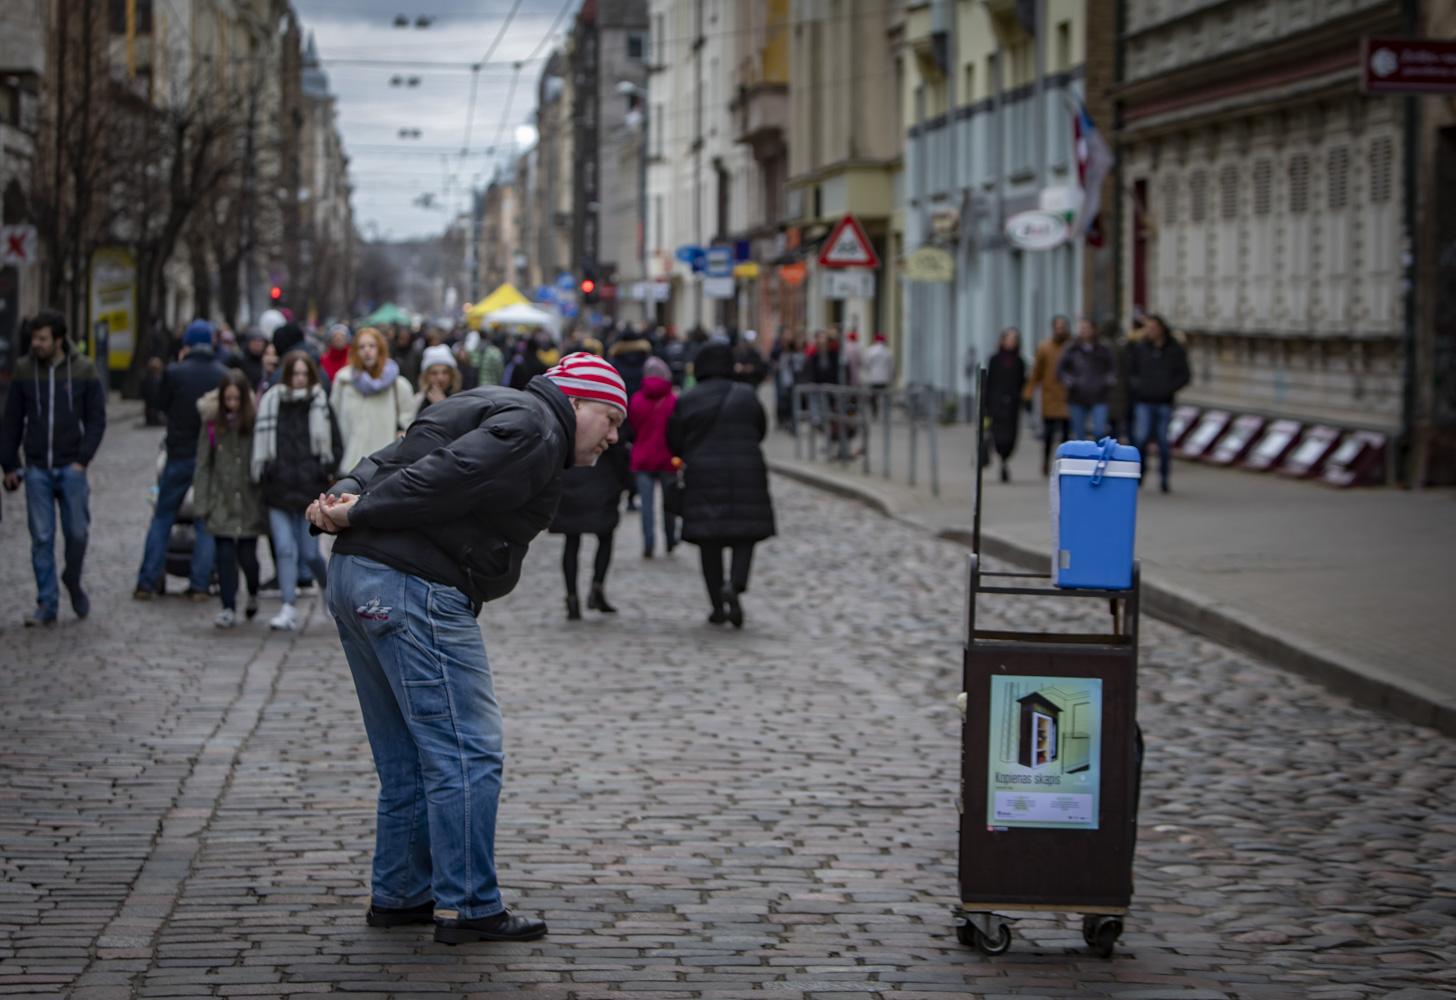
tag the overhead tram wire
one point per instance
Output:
(475, 74)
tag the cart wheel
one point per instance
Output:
(1104, 934)
(966, 935)
(996, 945)
(1089, 929)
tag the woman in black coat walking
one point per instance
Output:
(716, 430)
(1005, 377)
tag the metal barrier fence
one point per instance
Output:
(832, 416)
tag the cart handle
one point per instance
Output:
(1108, 444)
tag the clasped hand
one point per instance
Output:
(330, 512)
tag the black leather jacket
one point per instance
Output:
(459, 498)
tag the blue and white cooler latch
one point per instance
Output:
(1094, 490)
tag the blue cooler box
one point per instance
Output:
(1094, 487)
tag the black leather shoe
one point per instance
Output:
(501, 927)
(598, 600)
(573, 608)
(735, 610)
(389, 916)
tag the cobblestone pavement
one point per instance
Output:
(698, 813)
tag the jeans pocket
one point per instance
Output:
(428, 700)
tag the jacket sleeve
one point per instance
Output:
(408, 405)
(202, 477)
(164, 393)
(496, 467)
(1065, 373)
(1134, 370)
(1182, 375)
(1038, 372)
(337, 440)
(11, 427)
(676, 432)
(93, 407)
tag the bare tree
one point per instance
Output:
(70, 194)
(177, 154)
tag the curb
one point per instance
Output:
(1365, 684)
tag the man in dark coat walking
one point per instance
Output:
(183, 384)
(1157, 367)
(717, 429)
(430, 528)
(56, 414)
(1088, 369)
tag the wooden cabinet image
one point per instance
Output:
(1038, 731)
(1053, 729)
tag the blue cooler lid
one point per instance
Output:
(1093, 449)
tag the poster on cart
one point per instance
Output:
(1045, 765)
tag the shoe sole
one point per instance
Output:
(469, 935)
(376, 920)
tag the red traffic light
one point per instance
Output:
(588, 286)
(275, 293)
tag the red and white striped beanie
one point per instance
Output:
(587, 376)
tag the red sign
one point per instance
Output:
(1408, 66)
(848, 246)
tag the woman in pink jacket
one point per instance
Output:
(648, 412)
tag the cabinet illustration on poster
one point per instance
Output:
(1045, 754)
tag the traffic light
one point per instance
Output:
(275, 294)
(588, 289)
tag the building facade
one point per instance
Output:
(845, 144)
(1265, 212)
(608, 68)
(989, 95)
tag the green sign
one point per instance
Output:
(1044, 768)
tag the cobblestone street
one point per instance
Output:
(697, 812)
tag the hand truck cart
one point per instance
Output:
(1051, 761)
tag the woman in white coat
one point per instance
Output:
(372, 401)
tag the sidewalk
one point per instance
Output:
(1353, 587)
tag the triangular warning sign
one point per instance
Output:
(848, 246)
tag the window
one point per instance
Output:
(1299, 184)
(1064, 46)
(969, 94)
(636, 47)
(1338, 177)
(657, 221)
(1228, 192)
(1263, 187)
(1170, 200)
(656, 125)
(1382, 155)
(659, 39)
(1198, 196)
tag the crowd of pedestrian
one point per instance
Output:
(258, 426)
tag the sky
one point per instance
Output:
(388, 172)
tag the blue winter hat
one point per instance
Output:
(199, 334)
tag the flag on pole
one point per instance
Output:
(1094, 163)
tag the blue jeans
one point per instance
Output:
(434, 726)
(171, 491)
(293, 547)
(1081, 415)
(646, 485)
(44, 489)
(1151, 420)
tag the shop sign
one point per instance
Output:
(1036, 230)
(931, 264)
(1408, 66)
